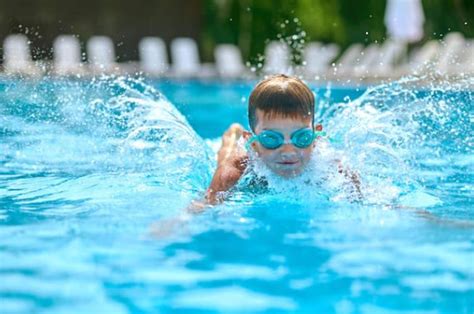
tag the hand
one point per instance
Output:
(175, 226)
(197, 207)
(230, 150)
(231, 164)
(169, 227)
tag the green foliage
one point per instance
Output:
(321, 20)
(250, 24)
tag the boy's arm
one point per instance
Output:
(231, 164)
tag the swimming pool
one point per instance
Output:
(87, 167)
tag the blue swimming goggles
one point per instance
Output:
(270, 139)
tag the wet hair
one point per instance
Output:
(281, 95)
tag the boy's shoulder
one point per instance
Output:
(251, 181)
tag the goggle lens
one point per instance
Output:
(303, 138)
(272, 140)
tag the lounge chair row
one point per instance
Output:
(452, 56)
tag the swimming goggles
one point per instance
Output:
(270, 139)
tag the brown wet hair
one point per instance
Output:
(281, 95)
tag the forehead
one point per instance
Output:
(269, 120)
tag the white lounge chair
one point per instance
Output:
(372, 62)
(369, 58)
(229, 62)
(101, 55)
(17, 56)
(462, 61)
(392, 54)
(451, 54)
(185, 56)
(468, 63)
(67, 55)
(277, 58)
(317, 58)
(312, 65)
(186, 61)
(421, 59)
(153, 56)
(349, 59)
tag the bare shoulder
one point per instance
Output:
(353, 179)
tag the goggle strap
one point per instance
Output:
(250, 141)
(319, 134)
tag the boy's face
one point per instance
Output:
(287, 160)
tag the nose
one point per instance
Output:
(287, 149)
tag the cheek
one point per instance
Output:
(306, 154)
(265, 154)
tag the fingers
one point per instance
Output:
(234, 132)
(229, 148)
(236, 128)
(197, 206)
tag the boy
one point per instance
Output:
(281, 115)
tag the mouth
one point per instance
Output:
(287, 163)
(288, 168)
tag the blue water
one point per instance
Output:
(89, 169)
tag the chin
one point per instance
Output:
(290, 173)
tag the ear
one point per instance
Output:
(317, 128)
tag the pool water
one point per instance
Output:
(89, 169)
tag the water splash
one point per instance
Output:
(392, 131)
(154, 133)
(388, 136)
(78, 137)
